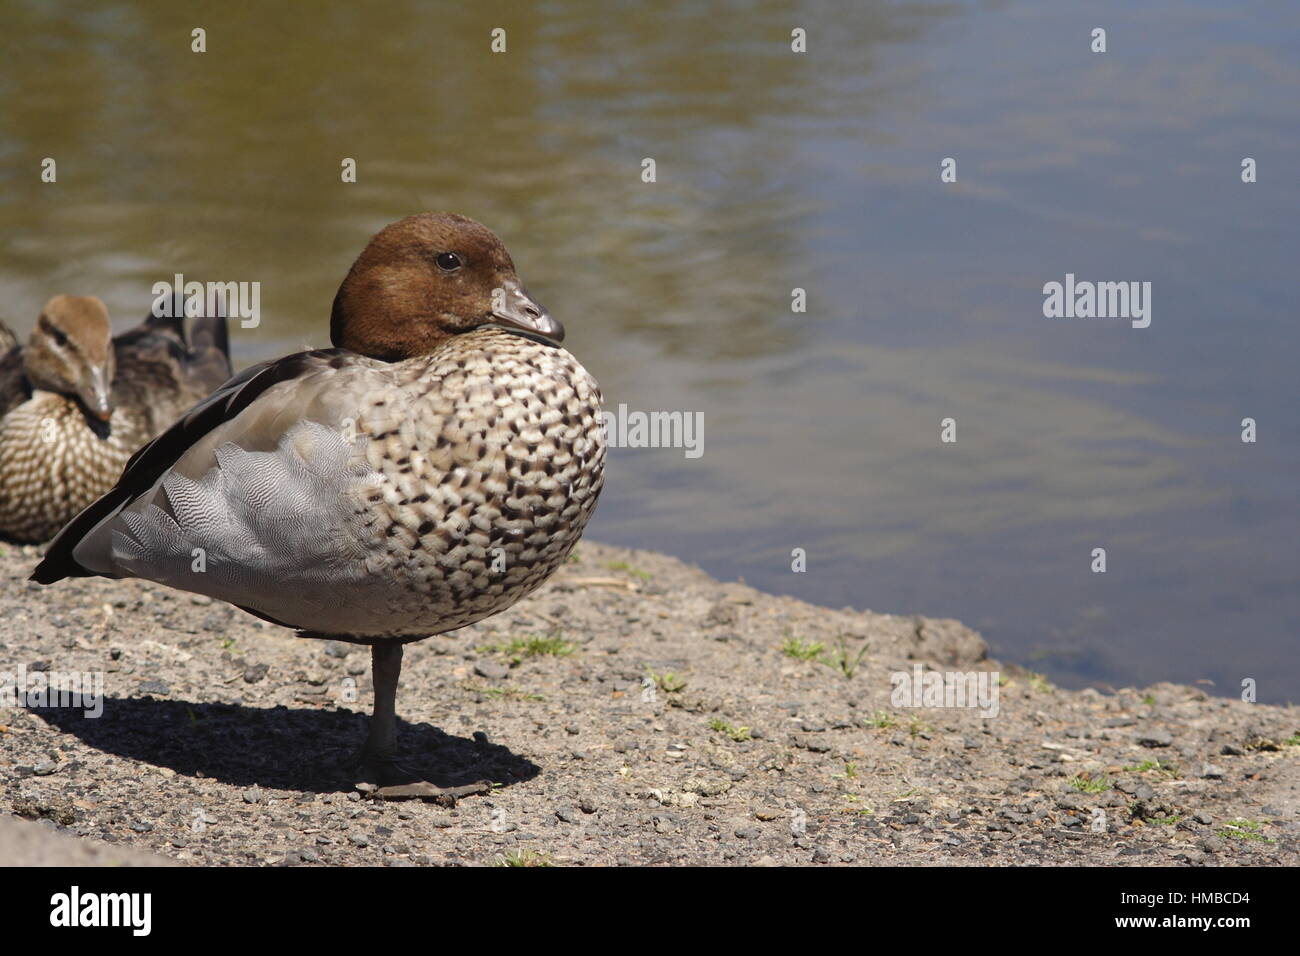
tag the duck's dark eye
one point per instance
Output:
(59, 337)
(448, 261)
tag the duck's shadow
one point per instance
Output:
(281, 748)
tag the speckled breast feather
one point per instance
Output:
(380, 500)
(53, 464)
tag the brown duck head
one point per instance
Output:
(71, 352)
(426, 278)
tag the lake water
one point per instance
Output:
(776, 171)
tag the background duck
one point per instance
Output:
(12, 383)
(76, 403)
(431, 470)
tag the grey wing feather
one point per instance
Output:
(267, 529)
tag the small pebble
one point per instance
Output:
(255, 673)
(1155, 738)
(492, 670)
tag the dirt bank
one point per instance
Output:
(221, 739)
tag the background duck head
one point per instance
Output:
(70, 352)
(426, 278)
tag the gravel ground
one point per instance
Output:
(653, 719)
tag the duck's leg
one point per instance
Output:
(379, 770)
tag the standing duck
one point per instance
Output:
(76, 403)
(432, 469)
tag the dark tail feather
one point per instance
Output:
(172, 325)
(209, 358)
(57, 565)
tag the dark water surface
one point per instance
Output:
(776, 171)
